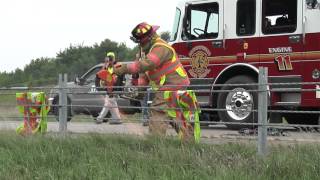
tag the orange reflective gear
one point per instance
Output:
(183, 106)
(154, 58)
(158, 75)
(107, 76)
(134, 67)
(35, 109)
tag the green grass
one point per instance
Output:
(121, 157)
(8, 106)
(8, 99)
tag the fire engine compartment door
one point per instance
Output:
(281, 47)
(281, 37)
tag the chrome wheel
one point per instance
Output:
(239, 104)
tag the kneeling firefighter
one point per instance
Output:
(164, 72)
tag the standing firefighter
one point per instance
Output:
(106, 78)
(164, 72)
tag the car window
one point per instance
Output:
(91, 75)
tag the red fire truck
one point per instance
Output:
(225, 41)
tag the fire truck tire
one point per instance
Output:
(55, 107)
(239, 102)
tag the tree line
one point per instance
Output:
(74, 60)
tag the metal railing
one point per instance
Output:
(259, 125)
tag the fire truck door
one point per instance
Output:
(202, 46)
(202, 39)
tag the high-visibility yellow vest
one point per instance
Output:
(109, 75)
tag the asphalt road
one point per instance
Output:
(125, 128)
(212, 134)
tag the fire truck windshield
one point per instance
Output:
(174, 31)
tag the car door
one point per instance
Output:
(85, 97)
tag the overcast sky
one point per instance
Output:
(32, 29)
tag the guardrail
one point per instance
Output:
(262, 128)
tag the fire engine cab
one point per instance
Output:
(225, 41)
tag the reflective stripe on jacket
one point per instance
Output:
(158, 75)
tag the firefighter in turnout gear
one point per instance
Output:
(168, 79)
(106, 78)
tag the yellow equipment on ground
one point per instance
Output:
(34, 107)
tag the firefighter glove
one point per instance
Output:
(120, 69)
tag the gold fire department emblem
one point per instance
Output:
(199, 62)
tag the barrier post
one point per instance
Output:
(63, 103)
(262, 111)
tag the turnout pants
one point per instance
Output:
(159, 119)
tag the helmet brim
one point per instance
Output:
(148, 35)
(155, 28)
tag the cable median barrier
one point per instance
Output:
(265, 120)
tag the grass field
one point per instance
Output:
(120, 157)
